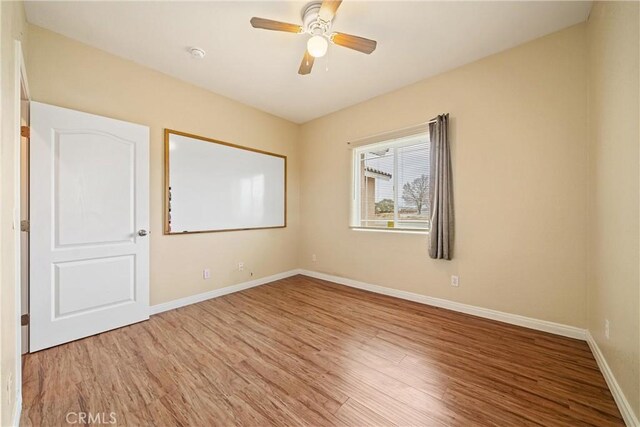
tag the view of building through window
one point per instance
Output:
(393, 186)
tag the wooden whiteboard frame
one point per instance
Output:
(167, 181)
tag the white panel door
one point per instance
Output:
(89, 196)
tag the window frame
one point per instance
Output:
(355, 221)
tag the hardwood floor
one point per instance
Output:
(302, 351)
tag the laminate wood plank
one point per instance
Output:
(480, 413)
(301, 399)
(431, 382)
(355, 414)
(380, 387)
(499, 379)
(527, 366)
(309, 315)
(489, 328)
(529, 406)
(385, 405)
(404, 323)
(303, 351)
(203, 407)
(303, 371)
(475, 341)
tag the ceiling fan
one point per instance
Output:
(316, 21)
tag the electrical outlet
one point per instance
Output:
(606, 328)
(314, 258)
(206, 274)
(241, 266)
(455, 281)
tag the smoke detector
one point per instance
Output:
(197, 53)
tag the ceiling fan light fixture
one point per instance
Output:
(317, 46)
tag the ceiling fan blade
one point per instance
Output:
(268, 24)
(328, 9)
(306, 64)
(354, 42)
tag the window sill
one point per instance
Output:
(390, 230)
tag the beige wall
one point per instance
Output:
(614, 256)
(70, 74)
(12, 28)
(520, 169)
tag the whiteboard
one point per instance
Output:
(216, 186)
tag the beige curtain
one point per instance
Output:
(441, 190)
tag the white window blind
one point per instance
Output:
(391, 184)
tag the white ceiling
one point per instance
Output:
(257, 67)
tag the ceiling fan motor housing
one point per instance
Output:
(312, 22)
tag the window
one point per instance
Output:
(391, 184)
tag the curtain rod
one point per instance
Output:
(381, 134)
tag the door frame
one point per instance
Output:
(21, 87)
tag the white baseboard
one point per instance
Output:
(170, 305)
(629, 417)
(17, 411)
(514, 319)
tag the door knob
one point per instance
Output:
(143, 233)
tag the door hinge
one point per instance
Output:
(24, 225)
(24, 320)
(25, 131)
